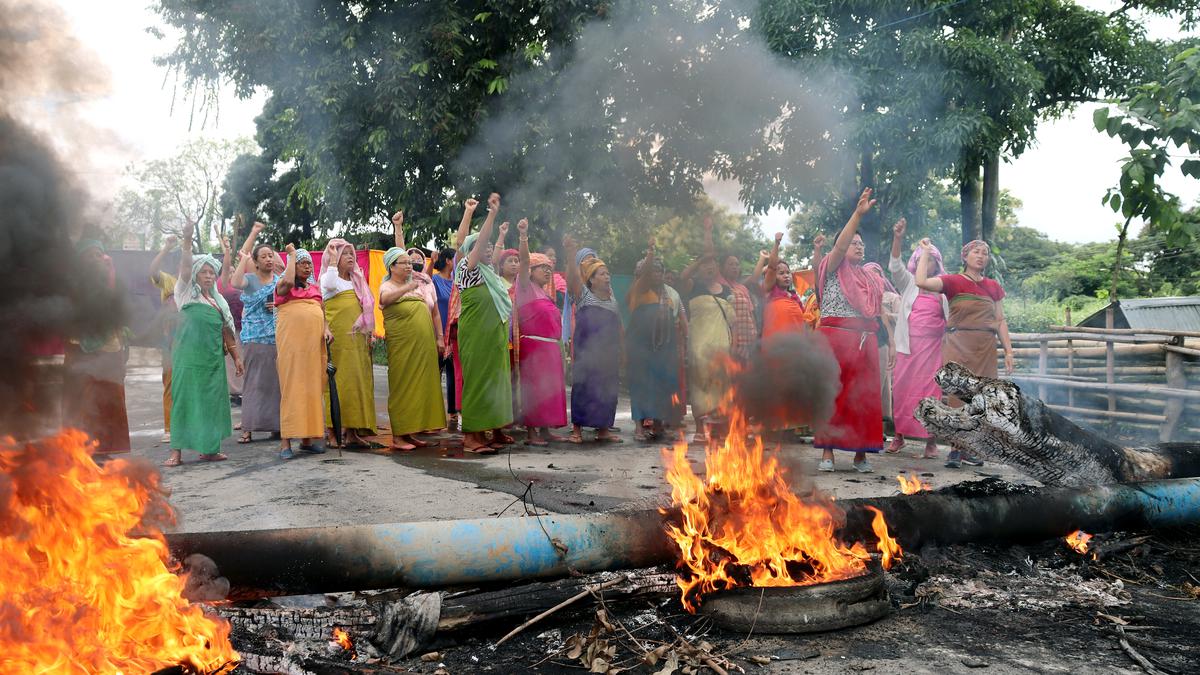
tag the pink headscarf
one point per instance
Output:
(863, 290)
(934, 254)
(504, 255)
(333, 253)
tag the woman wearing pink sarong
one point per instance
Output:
(918, 336)
(542, 384)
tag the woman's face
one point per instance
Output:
(731, 269)
(601, 280)
(304, 268)
(541, 275)
(346, 262)
(510, 267)
(783, 275)
(418, 261)
(206, 277)
(655, 276)
(485, 256)
(264, 260)
(977, 259)
(857, 250)
(401, 269)
(707, 271)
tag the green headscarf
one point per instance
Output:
(389, 258)
(494, 283)
(197, 295)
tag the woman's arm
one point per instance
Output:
(710, 248)
(391, 292)
(900, 274)
(500, 241)
(523, 250)
(156, 264)
(924, 281)
(288, 280)
(485, 233)
(226, 260)
(772, 264)
(818, 247)
(464, 226)
(686, 284)
(574, 280)
(185, 252)
(398, 228)
(1005, 341)
(639, 281)
(838, 253)
(238, 278)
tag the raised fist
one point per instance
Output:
(471, 203)
(523, 226)
(291, 249)
(494, 200)
(398, 218)
(778, 237)
(257, 227)
(819, 241)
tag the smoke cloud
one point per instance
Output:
(791, 381)
(685, 92)
(46, 295)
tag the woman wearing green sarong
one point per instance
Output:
(483, 342)
(200, 417)
(414, 342)
(350, 314)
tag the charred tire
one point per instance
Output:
(801, 609)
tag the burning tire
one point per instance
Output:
(801, 609)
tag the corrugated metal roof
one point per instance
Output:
(1180, 313)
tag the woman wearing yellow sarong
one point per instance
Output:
(414, 343)
(350, 314)
(300, 338)
(710, 336)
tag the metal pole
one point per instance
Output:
(458, 552)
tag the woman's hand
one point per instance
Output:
(170, 243)
(925, 245)
(1009, 366)
(865, 203)
(891, 357)
(900, 228)
(441, 344)
(239, 368)
(503, 230)
(225, 248)
(471, 204)
(522, 226)
(328, 336)
(778, 238)
(819, 241)
(494, 201)
(398, 219)
(290, 249)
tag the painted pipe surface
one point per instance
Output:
(427, 554)
(458, 552)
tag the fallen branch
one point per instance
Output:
(565, 603)
(1133, 654)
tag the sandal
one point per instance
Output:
(402, 448)
(173, 461)
(575, 438)
(609, 439)
(895, 446)
(503, 438)
(246, 438)
(536, 442)
(216, 457)
(481, 450)
(700, 438)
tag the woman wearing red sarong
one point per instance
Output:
(542, 383)
(851, 299)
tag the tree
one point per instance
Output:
(1150, 120)
(179, 189)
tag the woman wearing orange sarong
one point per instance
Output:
(300, 338)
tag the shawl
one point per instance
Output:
(878, 269)
(195, 294)
(863, 290)
(495, 285)
(935, 256)
(365, 323)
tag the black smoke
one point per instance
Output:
(792, 381)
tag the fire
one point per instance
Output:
(87, 586)
(342, 638)
(1078, 541)
(743, 525)
(912, 486)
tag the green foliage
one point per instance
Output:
(1027, 315)
(1154, 118)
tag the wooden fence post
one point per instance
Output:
(1173, 410)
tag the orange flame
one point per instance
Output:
(1078, 541)
(742, 525)
(87, 583)
(912, 486)
(342, 638)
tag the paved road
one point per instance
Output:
(255, 489)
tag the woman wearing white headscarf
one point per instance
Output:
(200, 417)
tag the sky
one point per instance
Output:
(1060, 181)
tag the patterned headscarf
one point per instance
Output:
(971, 245)
(365, 323)
(583, 253)
(303, 255)
(540, 260)
(934, 254)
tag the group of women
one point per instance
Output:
(491, 319)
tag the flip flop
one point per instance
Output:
(481, 450)
(400, 448)
(501, 437)
(536, 442)
(174, 461)
(577, 440)
(245, 438)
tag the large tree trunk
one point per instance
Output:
(1003, 425)
(991, 197)
(969, 198)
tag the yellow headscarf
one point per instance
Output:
(589, 268)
